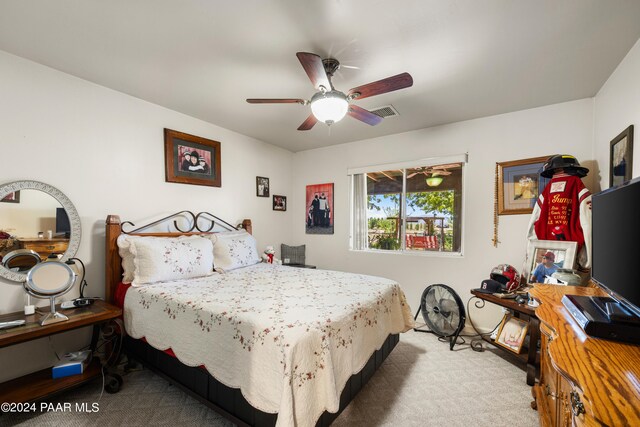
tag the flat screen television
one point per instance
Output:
(63, 227)
(616, 243)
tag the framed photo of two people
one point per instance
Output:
(191, 159)
(319, 212)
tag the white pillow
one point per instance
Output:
(164, 259)
(234, 249)
(124, 243)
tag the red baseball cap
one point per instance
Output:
(550, 255)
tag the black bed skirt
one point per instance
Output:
(229, 401)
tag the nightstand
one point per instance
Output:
(39, 385)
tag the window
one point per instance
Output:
(410, 207)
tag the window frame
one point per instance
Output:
(431, 161)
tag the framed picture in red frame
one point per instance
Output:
(319, 209)
(191, 159)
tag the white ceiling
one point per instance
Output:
(468, 58)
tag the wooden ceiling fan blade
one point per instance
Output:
(447, 166)
(312, 64)
(389, 84)
(309, 123)
(363, 115)
(275, 101)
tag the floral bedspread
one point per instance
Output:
(288, 337)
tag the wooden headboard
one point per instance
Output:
(113, 267)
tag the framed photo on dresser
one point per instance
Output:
(191, 159)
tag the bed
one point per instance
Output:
(262, 344)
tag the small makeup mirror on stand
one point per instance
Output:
(21, 260)
(50, 279)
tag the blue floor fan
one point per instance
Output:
(443, 312)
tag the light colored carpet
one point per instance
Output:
(422, 383)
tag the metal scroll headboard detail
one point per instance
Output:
(212, 219)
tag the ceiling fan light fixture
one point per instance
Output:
(434, 181)
(329, 107)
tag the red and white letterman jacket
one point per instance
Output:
(563, 212)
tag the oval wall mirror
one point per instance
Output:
(28, 211)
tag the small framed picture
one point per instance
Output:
(262, 186)
(279, 203)
(518, 184)
(545, 257)
(11, 198)
(512, 333)
(621, 158)
(191, 159)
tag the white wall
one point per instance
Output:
(561, 128)
(105, 151)
(617, 105)
(36, 212)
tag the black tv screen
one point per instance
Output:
(62, 222)
(616, 242)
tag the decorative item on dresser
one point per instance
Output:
(583, 380)
(559, 254)
(229, 401)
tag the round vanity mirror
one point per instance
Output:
(50, 279)
(35, 218)
(21, 260)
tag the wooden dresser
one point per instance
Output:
(45, 247)
(583, 380)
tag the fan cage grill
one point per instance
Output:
(436, 318)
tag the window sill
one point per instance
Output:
(429, 254)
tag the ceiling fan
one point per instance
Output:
(438, 170)
(329, 105)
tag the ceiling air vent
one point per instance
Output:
(385, 111)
